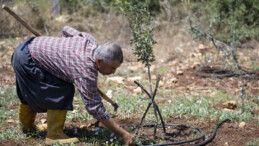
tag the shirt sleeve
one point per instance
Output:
(90, 96)
(68, 31)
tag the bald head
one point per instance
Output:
(109, 52)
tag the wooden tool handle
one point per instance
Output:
(104, 96)
(20, 20)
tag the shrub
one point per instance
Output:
(233, 21)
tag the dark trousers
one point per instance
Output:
(38, 88)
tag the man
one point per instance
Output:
(46, 69)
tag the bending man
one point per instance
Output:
(46, 69)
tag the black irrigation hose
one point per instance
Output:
(224, 75)
(185, 126)
(227, 73)
(213, 134)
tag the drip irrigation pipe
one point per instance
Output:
(184, 126)
(225, 75)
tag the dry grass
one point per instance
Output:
(173, 39)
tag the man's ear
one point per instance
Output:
(99, 62)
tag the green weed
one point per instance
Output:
(253, 142)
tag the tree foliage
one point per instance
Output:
(140, 24)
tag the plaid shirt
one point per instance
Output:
(70, 57)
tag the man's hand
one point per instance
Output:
(127, 137)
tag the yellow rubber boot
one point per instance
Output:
(26, 118)
(55, 122)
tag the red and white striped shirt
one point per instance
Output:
(71, 57)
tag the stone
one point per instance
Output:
(119, 80)
(175, 62)
(133, 68)
(179, 72)
(153, 77)
(255, 111)
(161, 83)
(85, 126)
(193, 55)
(227, 110)
(226, 144)
(172, 81)
(230, 104)
(201, 48)
(184, 67)
(109, 93)
(152, 68)
(9, 121)
(195, 65)
(10, 53)
(132, 79)
(43, 121)
(242, 124)
(62, 18)
(138, 90)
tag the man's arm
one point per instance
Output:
(88, 90)
(127, 137)
(87, 87)
(68, 31)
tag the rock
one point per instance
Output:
(9, 121)
(242, 124)
(179, 49)
(119, 80)
(202, 48)
(137, 90)
(85, 126)
(10, 53)
(152, 68)
(172, 69)
(132, 79)
(175, 62)
(228, 110)
(184, 67)
(133, 68)
(226, 144)
(109, 93)
(230, 104)
(172, 81)
(255, 111)
(161, 83)
(62, 18)
(74, 111)
(162, 60)
(189, 88)
(153, 77)
(43, 121)
(193, 55)
(179, 72)
(5, 57)
(218, 84)
(195, 65)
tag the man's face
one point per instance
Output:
(107, 69)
